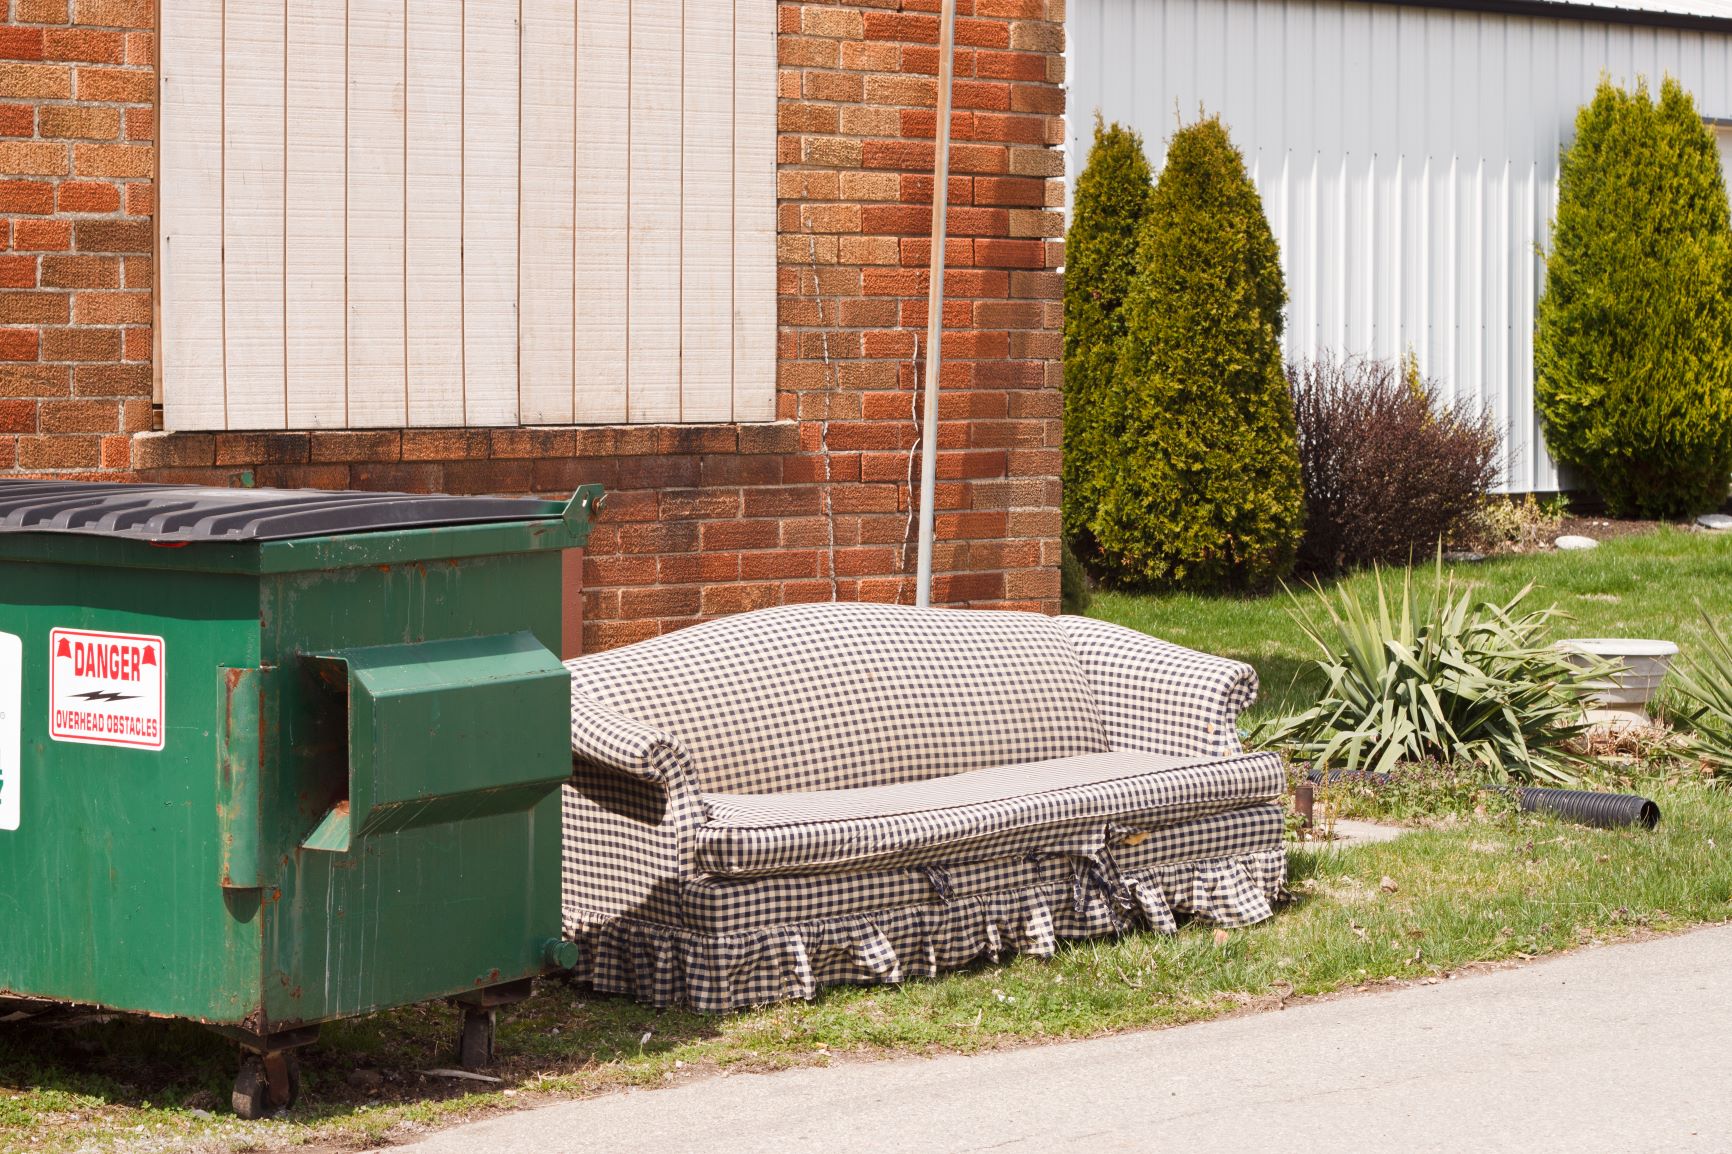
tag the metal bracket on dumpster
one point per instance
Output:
(442, 731)
(582, 508)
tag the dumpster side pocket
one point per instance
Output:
(441, 731)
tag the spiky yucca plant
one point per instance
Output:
(1704, 681)
(1438, 677)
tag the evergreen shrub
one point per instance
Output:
(1112, 197)
(1196, 469)
(1633, 341)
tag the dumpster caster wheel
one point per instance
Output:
(475, 1051)
(267, 1084)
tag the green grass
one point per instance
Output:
(1636, 586)
(1468, 891)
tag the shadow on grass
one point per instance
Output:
(65, 1060)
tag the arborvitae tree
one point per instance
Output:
(1200, 484)
(1112, 197)
(1633, 343)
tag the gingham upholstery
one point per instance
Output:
(717, 972)
(1160, 697)
(892, 792)
(720, 905)
(982, 814)
(835, 696)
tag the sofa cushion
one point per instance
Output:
(834, 696)
(1054, 806)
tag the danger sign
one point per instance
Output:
(105, 688)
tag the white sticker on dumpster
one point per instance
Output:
(11, 743)
(105, 688)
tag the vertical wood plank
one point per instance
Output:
(191, 208)
(253, 265)
(707, 215)
(754, 211)
(653, 281)
(602, 214)
(550, 152)
(490, 216)
(315, 161)
(433, 228)
(378, 373)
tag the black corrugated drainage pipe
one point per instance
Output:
(1583, 806)
(1605, 810)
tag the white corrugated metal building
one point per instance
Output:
(1407, 153)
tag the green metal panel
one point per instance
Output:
(205, 879)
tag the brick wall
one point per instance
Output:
(701, 520)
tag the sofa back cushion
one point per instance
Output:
(840, 695)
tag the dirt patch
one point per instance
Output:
(1606, 528)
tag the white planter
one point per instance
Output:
(1622, 698)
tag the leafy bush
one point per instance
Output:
(1389, 472)
(1633, 345)
(1702, 686)
(1199, 475)
(1112, 198)
(1508, 523)
(1440, 678)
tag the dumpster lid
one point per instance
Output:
(190, 513)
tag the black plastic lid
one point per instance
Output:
(187, 513)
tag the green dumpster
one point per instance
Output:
(270, 758)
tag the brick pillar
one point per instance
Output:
(77, 126)
(858, 90)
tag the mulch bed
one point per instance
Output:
(1605, 528)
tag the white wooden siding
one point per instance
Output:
(1407, 158)
(384, 213)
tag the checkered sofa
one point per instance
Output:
(782, 800)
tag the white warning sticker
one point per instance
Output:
(105, 688)
(11, 742)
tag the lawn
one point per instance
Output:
(1460, 894)
(1636, 586)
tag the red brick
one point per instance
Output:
(19, 344)
(32, 158)
(113, 160)
(115, 13)
(40, 11)
(41, 235)
(86, 45)
(17, 120)
(34, 380)
(17, 416)
(99, 380)
(36, 196)
(80, 416)
(81, 271)
(59, 452)
(34, 308)
(80, 122)
(21, 43)
(88, 196)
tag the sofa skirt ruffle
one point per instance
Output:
(666, 965)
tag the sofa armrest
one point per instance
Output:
(608, 739)
(1158, 697)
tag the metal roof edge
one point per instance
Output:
(1565, 10)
